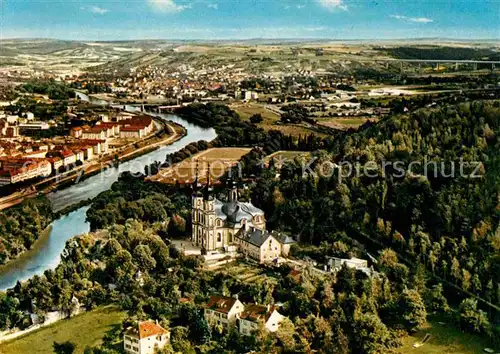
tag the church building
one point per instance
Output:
(220, 224)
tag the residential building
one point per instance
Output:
(262, 245)
(98, 146)
(145, 338)
(76, 132)
(30, 127)
(79, 155)
(223, 311)
(113, 129)
(132, 132)
(136, 127)
(256, 315)
(12, 119)
(95, 133)
(250, 95)
(56, 163)
(15, 170)
(68, 157)
(335, 263)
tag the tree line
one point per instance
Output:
(22, 225)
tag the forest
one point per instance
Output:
(446, 225)
(434, 236)
(441, 53)
(40, 110)
(53, 89)
(21, 226)
(347, 313)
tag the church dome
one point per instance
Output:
(230, 208)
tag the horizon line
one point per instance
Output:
(304, 39)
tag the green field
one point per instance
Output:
(446, 339)
(343, 123)
(84, 330)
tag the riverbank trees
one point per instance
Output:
(22, 225)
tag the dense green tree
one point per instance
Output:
(471, 318)
(64, 347)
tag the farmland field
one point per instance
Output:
(220, 160)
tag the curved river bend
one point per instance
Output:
(46, 252)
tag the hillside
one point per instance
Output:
(253, 56)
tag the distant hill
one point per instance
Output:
(441, 53)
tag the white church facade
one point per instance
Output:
(220, 225)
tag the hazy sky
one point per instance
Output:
(241, 19)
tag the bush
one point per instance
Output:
(256, 118)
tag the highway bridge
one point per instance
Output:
(456, 62)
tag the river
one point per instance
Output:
(45, 253)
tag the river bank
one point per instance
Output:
(11, 263)
(80, 195)
(175, 132)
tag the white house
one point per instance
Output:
(223, 310)
(336, 263)
(255, 314)
(262, 245)
(145, 338)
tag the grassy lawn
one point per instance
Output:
(246, 110)
(231, 154)
(446, 339)
(286, 154)
(84, 330)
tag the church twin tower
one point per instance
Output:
(215, 223)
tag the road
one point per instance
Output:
(90, 167)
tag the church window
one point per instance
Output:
(230, 238)
(270, 244)
(219, 237)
